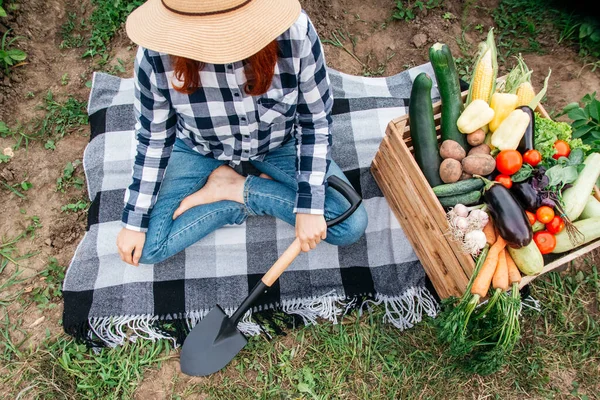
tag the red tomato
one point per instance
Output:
(544, 214)
(545, 241)
(504, 180)
(530, 217)
(562, 149)
(509, 161)
(555, 225)
(532, 157)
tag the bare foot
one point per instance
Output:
(222, 184)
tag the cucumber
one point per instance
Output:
(460, 187)
(467, 199)
(422, 129)
(449, 86)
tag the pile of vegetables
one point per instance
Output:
(516, 186)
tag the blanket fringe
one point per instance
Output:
(403, 312)
(406, 310)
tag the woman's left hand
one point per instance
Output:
(310, 229)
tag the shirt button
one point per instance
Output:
(243, 119)
(229, 66)
(236, 94)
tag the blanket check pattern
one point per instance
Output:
(103, 296)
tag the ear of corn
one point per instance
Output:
(485, 72)
(525, 94)
(519, 74)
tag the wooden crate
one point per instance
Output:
(423, 218)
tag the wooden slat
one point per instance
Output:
(421, 230)
(426, 193)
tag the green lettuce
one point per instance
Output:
(548, 131)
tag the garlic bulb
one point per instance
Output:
(474, 241)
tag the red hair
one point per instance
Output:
(259, 69)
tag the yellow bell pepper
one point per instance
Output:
(502, 104)
(476, 115)
(511, 130)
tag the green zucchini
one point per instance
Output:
(537, 226)
(449, 86)
(467, 199)
(574, 198)
(589, 228)
(591, 209)
(529, 259)
(460, 187)
(422, 129)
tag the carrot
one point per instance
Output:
(490, 232)
(482, 281)
(500, 278)
(514, 275)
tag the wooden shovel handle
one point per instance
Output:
(288, 256)
(597, 193)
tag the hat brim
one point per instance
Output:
(213, 39)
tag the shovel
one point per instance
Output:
(216, 340)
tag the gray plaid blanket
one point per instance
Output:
(107, 301)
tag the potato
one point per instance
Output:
(481, 149)
(450, 170)
(451, 149)
(479, 164)
(476, 138)
(465, 176)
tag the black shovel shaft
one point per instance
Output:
(254, 294)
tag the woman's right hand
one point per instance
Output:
(130, 244)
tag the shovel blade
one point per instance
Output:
(211, 345)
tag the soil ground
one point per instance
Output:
(381, 47)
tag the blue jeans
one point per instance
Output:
(188, 171)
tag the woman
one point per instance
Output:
(218, 83)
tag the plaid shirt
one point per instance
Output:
(221, 121)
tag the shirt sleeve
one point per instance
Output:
(313, 130)
(155, 133)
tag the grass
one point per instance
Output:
(50, 293)
(407, 10)
(361, 358)
(81, 205)
(368, 359)
(68, 178)
(61, 118)
(9, 55)
(104, 22)
(521, 22)
(62, 369)
(72, 32)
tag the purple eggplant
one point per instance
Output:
(527, 141)
(526, 195)
(508, 215)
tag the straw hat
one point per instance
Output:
(211, 31)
